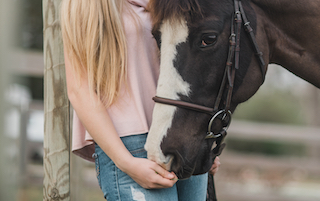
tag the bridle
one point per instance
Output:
(227, 84)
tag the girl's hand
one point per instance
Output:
(149, 174)
(215, 167)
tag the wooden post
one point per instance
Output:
(56, 108)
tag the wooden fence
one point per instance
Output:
(254, 176)
(308, 136)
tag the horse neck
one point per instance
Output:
(292, 29)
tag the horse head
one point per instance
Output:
(194, 39)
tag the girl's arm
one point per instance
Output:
(97, 121)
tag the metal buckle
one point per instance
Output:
(211, 135)
(225, 118)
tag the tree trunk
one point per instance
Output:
(56, 108)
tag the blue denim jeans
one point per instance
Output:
(116, 185)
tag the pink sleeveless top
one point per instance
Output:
(133, 111)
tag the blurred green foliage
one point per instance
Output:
(272, 106)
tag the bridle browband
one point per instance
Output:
(227, 84)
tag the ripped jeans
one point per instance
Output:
(118, 186)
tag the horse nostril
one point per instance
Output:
(182, 170)
(176, 162)
(175, 165)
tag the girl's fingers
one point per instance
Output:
(215, 167)
(164, 173)
(150, 175)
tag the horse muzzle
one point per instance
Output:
(180, 166)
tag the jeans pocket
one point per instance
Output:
(97, 165)
(140, 153)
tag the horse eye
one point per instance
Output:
(208, 40)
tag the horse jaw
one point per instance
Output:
(170, 85)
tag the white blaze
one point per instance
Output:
(170, 84)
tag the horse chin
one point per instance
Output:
(203, 167)
(184, 172)
(202, 163)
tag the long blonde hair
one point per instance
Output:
(94, 38)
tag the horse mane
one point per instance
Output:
(172, 9)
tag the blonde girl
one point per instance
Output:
(112, 66)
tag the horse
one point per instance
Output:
(214, 55)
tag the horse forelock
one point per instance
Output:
(173, 9)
